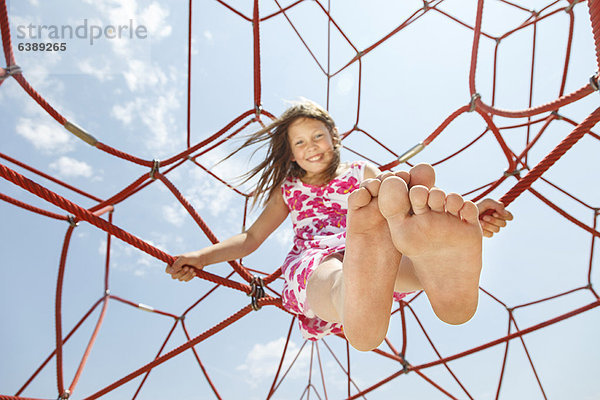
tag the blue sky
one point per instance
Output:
(131, 94)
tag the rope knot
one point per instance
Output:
(258, 108)
(473, 103)
(594, 81)
(257, 291)
(65, 395)
(154, 170)
(72, 220)
(10, 71)
(405, 364)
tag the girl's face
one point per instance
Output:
(311, 145)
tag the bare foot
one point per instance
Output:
(442, 238)
(369, 269)
(371, 261)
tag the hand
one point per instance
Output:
(184, 267)
(492, 223)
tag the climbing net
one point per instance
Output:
(524, 167)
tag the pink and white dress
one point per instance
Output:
(319, 219)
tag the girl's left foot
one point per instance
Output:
(441, 236)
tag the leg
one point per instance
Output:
(370, 266)
(364, 289)
(442, 239)
(324, 289)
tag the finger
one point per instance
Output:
(505, 215)
(490, 227)
(185, 276)
(176, 266)
(190, 275)
(487, 234)
(181, 273)
(494, 221)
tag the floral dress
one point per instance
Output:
(319, 220)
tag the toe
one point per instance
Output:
(372, 185)
(436, 200)
(418, 199)
(393, 197)
(384, 175)
(359, 198)
(404, 175)
(469, 212)
(422, 174)
(454, 203)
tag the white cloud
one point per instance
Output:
(205, 192)
(174, 214)
(70, 168)
(262, 361)
(154, 19)
(140, 74)
(124, 113)
(127, 258)
(122, 12)
(47, 137)
(160, 121)
(157, 116)
(101, 73)
(284, 236)
(208, 36)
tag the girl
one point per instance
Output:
(362, 238)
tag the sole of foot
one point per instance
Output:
(441, 236)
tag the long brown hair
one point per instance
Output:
(278, 164)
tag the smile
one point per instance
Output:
(318, 157)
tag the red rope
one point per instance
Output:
(552, 157)
(256, 41)
(217, 328)
(85, 215)
(594, 9)
(5, 29)
(92, 215)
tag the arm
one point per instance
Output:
(235, 247)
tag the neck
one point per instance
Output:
(316, 180)
(320, 179)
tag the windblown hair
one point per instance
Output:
(278, 164)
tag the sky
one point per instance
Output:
(131, 94)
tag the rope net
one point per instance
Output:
(411, 353)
